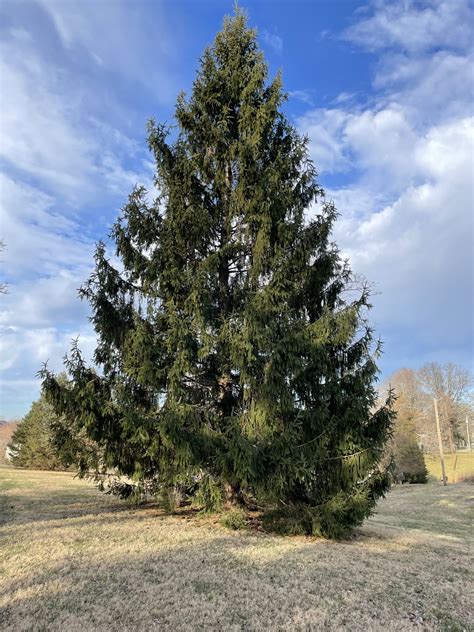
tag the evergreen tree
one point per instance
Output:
(44, 440)
(409, 462)
(231, 353)
(31, 444)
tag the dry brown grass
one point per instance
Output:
(73, 559)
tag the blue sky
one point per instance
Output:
(383, 89)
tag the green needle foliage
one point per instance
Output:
(44, 441)
(410, 465)
(31, 445)
(234, 349)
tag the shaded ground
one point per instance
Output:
(74, 559)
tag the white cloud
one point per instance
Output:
(415, 26)
(40, 241)
(62, 158)
(418, 248)
(48, 136)
(273, 40)
(325, 128)
(302, 95)
(39, 133)
(22, 353)
(425, 221)
(344, 97)
(431, 88)
(46, 300)
(15, 341)
(407, 162)
(46, 260)
(98, 30)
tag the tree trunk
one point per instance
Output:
(233, 495)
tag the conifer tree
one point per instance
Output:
(233, 352)
(409, 462)
(32, 444)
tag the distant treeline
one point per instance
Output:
(414, 430)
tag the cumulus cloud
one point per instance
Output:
(414, 26)
(407, 162)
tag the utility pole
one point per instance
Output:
(440, 441)
(469, 445)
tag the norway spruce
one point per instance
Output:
(235, 360)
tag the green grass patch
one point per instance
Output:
(458, 466)
(235, 519)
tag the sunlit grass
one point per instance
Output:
(457, 465)
(75, 559)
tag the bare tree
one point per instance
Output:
(409, 397)
(408, 431)
(410, 405)
(451, 385)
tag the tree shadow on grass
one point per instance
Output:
(47, 506)
(121, 567)
(222, 582)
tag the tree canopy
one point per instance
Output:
(234, 351)
(31, 444)
(404, 445)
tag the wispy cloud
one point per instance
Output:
(344, 97)
(97, 30)
(69, 159)
(304, 96)
(272, 40)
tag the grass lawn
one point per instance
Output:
(73, 559)
(457, 465)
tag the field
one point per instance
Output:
(457, 465)
(74, 559)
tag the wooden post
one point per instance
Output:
(440, 441)
(469, 445)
